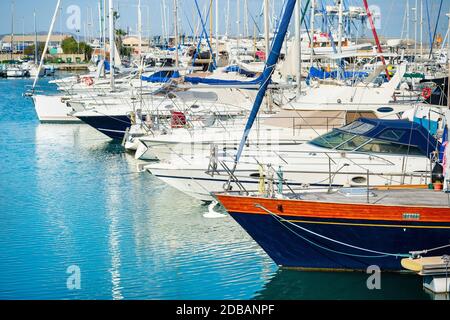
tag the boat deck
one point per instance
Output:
(408, 197)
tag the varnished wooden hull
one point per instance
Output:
(339, 236)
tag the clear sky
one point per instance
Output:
(391, 24)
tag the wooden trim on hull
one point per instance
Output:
(328, 210)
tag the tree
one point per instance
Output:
(86, 49)
(123, 51)
(69, 45)
(29, 51)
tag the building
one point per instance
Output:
(133, 42)
(23, 41)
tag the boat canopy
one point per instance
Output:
(211, 81)
(238, 69)
(321, 74)
(380, 136)
(160, 77)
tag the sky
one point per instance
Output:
(391, 24)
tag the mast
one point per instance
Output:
(227, 20)
(238, 22)
(111, 44)
(313, 6)
(298, 9)
(407, 21)
(211, 18)
(23, 34)
(340, 26)
(163, 16)
(175, 18)
(36, 52)
(415, 29)
(266, 75)
(267, 27)
(421, 28)
(104, 30)
(46, 44)
(375, 35)
(448, 62)
(12, 29)
(246, 31)
(140, 28)
(217, 29)
(100, 20)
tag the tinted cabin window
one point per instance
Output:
(379, 146)
(392, 134)
(332, 139)
(352, 144)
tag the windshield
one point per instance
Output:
(332, 139)
(344, 141)
(358, 127)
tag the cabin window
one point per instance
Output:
(358, 127)
(379, 146)
(392, 134)
(332, 139)
(353, 143)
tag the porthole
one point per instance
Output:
(359, 180)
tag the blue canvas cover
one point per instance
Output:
(406, 132)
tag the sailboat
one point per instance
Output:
(14, 70)
(344, 228)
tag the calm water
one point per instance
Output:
(69, 196)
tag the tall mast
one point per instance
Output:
(415, 29)
(12, 29)
(35, 39)
(313, 6)
(104, 29)
(407, 21)
(140, 28)
(340, 26)
(211, 18)
(175, 18)
(238, 22)
(448, 62)
(267, 27)
(421, 28)
(298, 9)
(111, 44)
(227, 20)
(163, 16)
(246, 30)
(217, 29)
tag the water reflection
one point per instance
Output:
(132, 235)
(294, 284)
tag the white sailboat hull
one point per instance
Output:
(52, 109)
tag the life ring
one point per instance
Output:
(88, 81)
(426, 93)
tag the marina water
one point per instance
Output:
(71, 197)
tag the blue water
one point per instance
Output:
(69, 196)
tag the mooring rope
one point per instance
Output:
(380, 254)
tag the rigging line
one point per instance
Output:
(281, 220)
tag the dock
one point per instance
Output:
(71, 66)
(434, 270)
